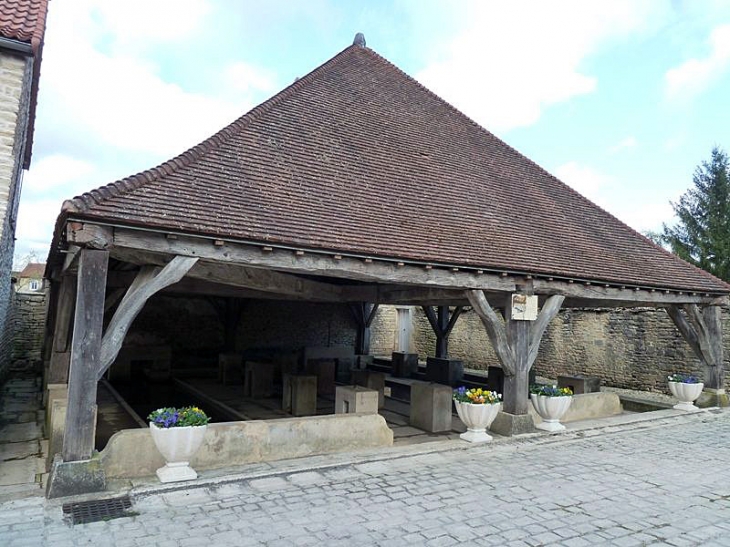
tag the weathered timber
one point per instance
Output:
(229, 312)
(613, 296)
(495, 328)
(89, 235)
(702, 330)
(309, 263)
(549, 310)
(516, 344)
(70, 262)
(63, 318)
(254, 278)
(516, 386)
(364, 313)
(442, 324)
(78, 441)
(149, 281)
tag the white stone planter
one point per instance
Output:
(177, 445)
(477, 418)
(686, 393)
(550, 409)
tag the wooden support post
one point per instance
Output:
(442, 324)
(78, 441)
(364, 313)
(702, 330)
(63, 318)
(516, 344)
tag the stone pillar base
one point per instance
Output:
(713, 397)
(431, 407)
(75, 478)
(509, 425)
(355, 400)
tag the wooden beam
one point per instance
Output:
(515, 398)
(310, 263)
(78, 440)
(611, 297)
(537, 328)
(70, 261)
(495, 330)
(364, 313)
(63, 319)
(259, 279)
(516, 343)
(91, 236)
(702, 330)
(149, 281)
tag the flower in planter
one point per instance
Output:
(178, 417)
(683, 378)
(476, 396)
(551, 391)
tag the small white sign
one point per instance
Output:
(524, 307)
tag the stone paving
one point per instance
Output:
(22, 450)
(664, 482)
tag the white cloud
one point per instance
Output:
(244, 77)
(694, 75)
(628, 142)
(514, 59)
(107, 110)
(54, 172)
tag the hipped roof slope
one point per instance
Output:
(357, 157)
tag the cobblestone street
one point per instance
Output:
(664, 483)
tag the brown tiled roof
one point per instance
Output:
(34, 270)
(358, 157)
(25, 21)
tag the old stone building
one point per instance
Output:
(22, 27)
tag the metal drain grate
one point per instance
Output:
(94, 511)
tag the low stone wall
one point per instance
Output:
(28, 325)
(132, 453)
(629, 348)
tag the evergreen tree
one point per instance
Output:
(702, 235)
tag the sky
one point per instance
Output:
(621, 99)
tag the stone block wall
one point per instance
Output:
(28, 327)
(15, 75)
(630, 348)
(195, 334)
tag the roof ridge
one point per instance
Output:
(81, 203)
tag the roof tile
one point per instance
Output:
(358, 157)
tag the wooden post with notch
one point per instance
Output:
(442, 324)
(364, 313)
(78, 441)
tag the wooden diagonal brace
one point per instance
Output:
(495, 329)
(549, 310)
(149, 281)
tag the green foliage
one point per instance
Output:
(702, 235)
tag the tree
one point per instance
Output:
(702, 235)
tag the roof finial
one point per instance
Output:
(359, 40)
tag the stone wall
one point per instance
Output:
(629, 348)
(15, 74)
(28, 327)
(194, 332)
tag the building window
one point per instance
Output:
(35, 284)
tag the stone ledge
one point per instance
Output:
(131, 453)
